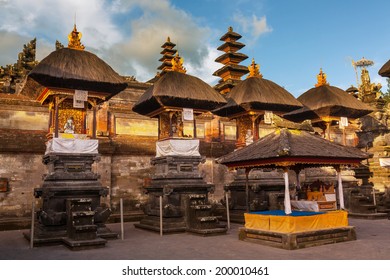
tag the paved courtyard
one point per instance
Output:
(373, 243)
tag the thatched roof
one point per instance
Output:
(75, 69)
(175, 89)
(259, 94)
(288, 148)
(328, 101)
(385, 70)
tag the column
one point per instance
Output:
(287, 202)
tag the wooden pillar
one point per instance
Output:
(328, 130)
(194, 128)
(94, 125)
(247, 189)
(56, 103)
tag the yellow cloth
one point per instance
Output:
(290, 224)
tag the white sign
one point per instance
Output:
(268, 117)
(343, 122)
(80, 96)
(188, 114)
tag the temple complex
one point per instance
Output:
(127, 125)
(231, 72)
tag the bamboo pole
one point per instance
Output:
(161, 217)
(32, 225)
(122, 228)
(227, 210)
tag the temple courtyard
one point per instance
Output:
(373, 243)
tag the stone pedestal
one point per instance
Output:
(185, 198)
(69, 177)
(266, 192)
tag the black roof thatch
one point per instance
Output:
(175, 89)
(328, 101)
(385, 70)
(75, 69)
(285, 147)
(259, 94)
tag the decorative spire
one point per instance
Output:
(321, 79)
(230, 29)
(168, 39)
(177, 64)
(74, 40)
(254, 70)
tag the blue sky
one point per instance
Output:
(291, 40)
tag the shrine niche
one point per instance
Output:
(255, 104)
(72, 82)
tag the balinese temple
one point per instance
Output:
(296, 149)
(69, 81)
(177, 193)
(12, 76)
(327, 107)
(168, 53)
(254, 104)
(231, 72)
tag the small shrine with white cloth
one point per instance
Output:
(71, 82)
(177, 193)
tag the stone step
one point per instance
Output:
(201, 207)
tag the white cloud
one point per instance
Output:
(127, 34)
(252, 25)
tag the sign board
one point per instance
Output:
(343, 122)
(80, 96)
(268, 117)
(188, 114)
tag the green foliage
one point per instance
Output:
(386, 94)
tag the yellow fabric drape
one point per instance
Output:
(290, 224)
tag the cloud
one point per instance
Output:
(252, 25)
(8, 52)
(127, 34)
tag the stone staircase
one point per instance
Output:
(82, 231)
(200, 216)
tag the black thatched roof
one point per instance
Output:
(175, 89)
(75, 69)
(260, 94)
(285, 147)
(385, 70)
(328, 101)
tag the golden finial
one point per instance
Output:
(177, 64)
(168, 39)
(74, 39)
(230, 29)
(321, 79)
(254, 70)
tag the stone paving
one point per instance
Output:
(373, 243)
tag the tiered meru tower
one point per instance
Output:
(231, 72)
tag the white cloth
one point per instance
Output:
(384, 162)
(340, 187)
(287, 202)
(305, 205)
(177, 147)
(72, 146)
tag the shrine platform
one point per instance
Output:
(297, 230)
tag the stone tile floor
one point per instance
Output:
(373, 243)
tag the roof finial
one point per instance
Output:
(254, 70)
(321, 79)
(74, 39)
(177, 64)
(230, 29)
(168, 39)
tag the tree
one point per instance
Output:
(386, 94)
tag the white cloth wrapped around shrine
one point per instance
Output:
(384, 162)
(72, 146)
(177, 147)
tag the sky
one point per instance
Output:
(290, 40)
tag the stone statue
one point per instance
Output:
(69, 126)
